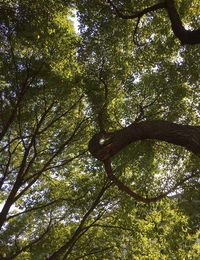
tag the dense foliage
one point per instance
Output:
(127, 64)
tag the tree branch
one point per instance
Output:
(80, 230)
(126, 189)
(185, 36)
(137, 14)
(104, 146)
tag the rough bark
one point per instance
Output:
(105, 145)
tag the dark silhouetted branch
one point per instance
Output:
(185, 36)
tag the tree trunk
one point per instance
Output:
(105, 145)
(9, 202)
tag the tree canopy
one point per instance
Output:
(99, 129)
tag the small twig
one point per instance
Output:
(135, 34)
(101, 114)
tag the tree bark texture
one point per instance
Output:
(103, 146)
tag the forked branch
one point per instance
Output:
(104, 146)
(185, 36)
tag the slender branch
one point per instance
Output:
(126, 189)
(32, 243)
(5, 171)
(36, 175)
(80, 230)
(66, 161)
(101, 114)
(25, 85)
(138, 14)
(83, 231)
(14, 111)
(62, 115)
(45, 206)
(35, 208)
(135, 34)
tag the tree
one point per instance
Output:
(106, 144)
(58, 89)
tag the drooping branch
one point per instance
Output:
(126, 189)
(104, 146)
(121, 186)
(185, 36)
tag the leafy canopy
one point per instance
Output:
(58, 89)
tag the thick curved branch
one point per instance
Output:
(104, 146)
(185, 36)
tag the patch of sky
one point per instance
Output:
(74, 19)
